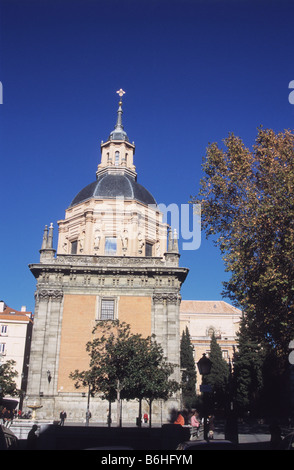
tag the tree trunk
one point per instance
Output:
(150, 413)
(118, 419)
(140, 413)
(109, 415)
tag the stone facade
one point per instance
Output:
(68, 303)
(203, 318)
(113, 261)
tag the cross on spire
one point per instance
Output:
(118, 133)
(121, 92)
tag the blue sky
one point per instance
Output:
(193, 71)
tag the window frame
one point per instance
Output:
(74, 247)
(4, 330)
(150, 247)
(100, 313)
(110, 252)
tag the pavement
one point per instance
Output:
(250, 436)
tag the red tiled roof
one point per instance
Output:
(12, 314)
(208, 306)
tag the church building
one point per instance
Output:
(116, 259)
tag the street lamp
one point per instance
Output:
(204, 366)
(49, 376)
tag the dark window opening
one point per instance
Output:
(74, 247)
(148, 249)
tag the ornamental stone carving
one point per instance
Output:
(171, 298)
(46, 294)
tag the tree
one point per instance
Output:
(248, 207)
(157, 384)
(188, 369)
(247, 375)
(219, 375)
(125, 365)
(7, 376)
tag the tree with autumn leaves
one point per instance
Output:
(247, 206)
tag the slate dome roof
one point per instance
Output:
(110, 186)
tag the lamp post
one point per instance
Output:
(49, 376)
(204, 366)
(88, 414)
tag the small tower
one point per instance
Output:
(47, 251)
(117, 153)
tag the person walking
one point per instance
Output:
(32, 438)
(62, 417)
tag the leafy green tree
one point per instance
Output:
(125, 365)
(156, 381)
(7, 376)
(219, 375)
(247, 205)
(188, 369)
(248, 371)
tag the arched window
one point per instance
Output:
(116, 158)
(210, 332)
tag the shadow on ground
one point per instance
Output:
(166, 438)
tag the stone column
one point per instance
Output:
(45, 345)
(173, 314)
(88, 249)
(159, 321)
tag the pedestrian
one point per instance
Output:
(32, 438)
(195, 424)
(62, 416)
(276, 435)
(180, 419)
(210, 426)
(194, 419)
(2, 415)
(88, 416)
(7, 418)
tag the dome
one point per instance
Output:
(110, 186)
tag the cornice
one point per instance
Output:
(105, 265)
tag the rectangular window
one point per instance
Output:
(2, 348)
(107, 309)
(74, 247)
(148, 249)
(110, 246)
(225, 354)
(4, 330)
